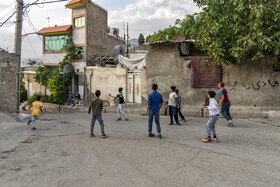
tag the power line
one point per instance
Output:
(27, 6)
(33, 27)
(7, 6)
(30, 44)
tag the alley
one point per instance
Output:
(61, 153)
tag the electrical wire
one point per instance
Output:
(26, 8)
(30, 44)
(7, 6)
(35, 30)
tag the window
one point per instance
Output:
(79, 53)
(79, 22)
(55, 43)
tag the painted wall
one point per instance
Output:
(78, 11)
(248, 84)
(31, 86)
(107, 80)
(79, 36)
(8, 82)
(53, 58)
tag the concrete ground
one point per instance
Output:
(60, 153)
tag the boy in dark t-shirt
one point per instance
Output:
(225, 103)
(121, 105)
(96, 108)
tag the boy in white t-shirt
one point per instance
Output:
(172, 105)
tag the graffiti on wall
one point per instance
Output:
(257, 86)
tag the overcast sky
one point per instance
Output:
(144, 16)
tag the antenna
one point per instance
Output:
(48, 18)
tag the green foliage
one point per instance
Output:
(42, 75)
(33, 98)
(148, 38)
(31, 62)
(54, 79)
(141, 39)
(233, 30)
(23, 91)
(187, 27)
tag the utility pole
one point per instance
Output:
(18, 34)
(127, 36)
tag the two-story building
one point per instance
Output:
(90, 35)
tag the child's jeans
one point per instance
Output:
(225, 110)
(210, 125)
(120, 111)
(150, 123)
(34, 119)
(172, 112)
(100, 120)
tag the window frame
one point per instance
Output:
(55, 45)
(79, 22)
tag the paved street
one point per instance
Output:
(60, 153)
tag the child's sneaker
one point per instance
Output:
(33, 129)
(215, 139)
(159, 136)
(230, 124)
(151, 135)
(92, 135)
(119, 119)
(178, 124)
(103, 135)
(184, 120)
(126, 119)
(170, 123)
(207, 140)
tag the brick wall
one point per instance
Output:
(8, 82)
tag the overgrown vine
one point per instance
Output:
(54, 79)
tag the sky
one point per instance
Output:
(143, 16)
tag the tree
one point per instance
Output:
(141, 39)
(148, 38)
(31, 62)
(233, 30)
(187, 27)
(54, 79)
(23, 91)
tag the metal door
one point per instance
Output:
(130, 88)
(137, 88)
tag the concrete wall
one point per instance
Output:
(98, 40)
(8, 82)
(247, 84)
(107, 80)
(79, 66)
(31, 86)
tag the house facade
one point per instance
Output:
(90, 35)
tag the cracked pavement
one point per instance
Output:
(60, 153)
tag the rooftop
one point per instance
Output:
(76, 3)
(56, 30)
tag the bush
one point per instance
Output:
(60, 99)
(23, 91)
(45, 99)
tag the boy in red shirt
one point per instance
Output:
(225, 103)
